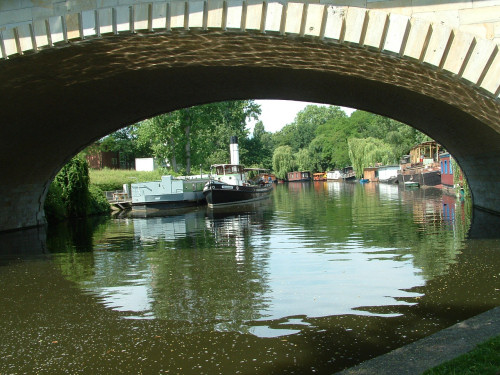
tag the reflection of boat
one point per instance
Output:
(411, 184)
(169, 192)
(230, 184)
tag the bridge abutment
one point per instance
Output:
(21, 206)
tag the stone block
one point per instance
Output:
(88, 23)
(24, 33)
(482, 30)
(56, 29)
(141, 16)
(11, 5)
(491, 81)
(76, 6)
(234, 13)
(354, 23)
(478, 59)
(402, 7)
(40, 33)
(334, 22)
(449, 18)
(9, 42)
(38, 13)
(106, 20)
(159, 16)
(479, 15)
(294, 18)
(396, 33)
(122, 18)
(177, 11)
(273, 16)
(415, 44)
(73, 26)
(314, 19)
(437, 45)
(254, 15)
(375, 28)
(215, 14)
(16, 16)
(435, 6)
(349, 3)
(457, 54)
(107, 3)
(196, 14)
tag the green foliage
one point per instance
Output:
(366, 152)
(98, 203)
(197, 135)
(69, 194)
(483, 360)
(303, 160)
(73, 180)
(54, 207)
(300, 133)
(457, 173)
(283, 161)
(113, 179)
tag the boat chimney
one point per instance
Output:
(234, 151)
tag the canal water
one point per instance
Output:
(317, 278)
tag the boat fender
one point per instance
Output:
(237, 188)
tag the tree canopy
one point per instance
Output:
(320, 138)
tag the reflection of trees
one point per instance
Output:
(205, 270)
(412, 223)
(219, 282)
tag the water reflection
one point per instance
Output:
(320, 276)
(233, 269)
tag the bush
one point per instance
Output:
(70, 194)
(55, 210)
(98, 203)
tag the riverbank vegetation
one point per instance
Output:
(320, 138)
(71, 195)
(483, 360)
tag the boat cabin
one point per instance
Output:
(334, 175)
(232, 174)
(299, 176)
(320, 176)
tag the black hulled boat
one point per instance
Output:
(230, 185)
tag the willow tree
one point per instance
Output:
(366, 152)
(283, 161)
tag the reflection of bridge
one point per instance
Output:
(98, 69)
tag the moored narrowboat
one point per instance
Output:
(298, 176)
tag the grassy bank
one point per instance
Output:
(483, 360)
(113, 179)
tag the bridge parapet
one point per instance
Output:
(438, 46)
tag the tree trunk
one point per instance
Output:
(173, 160)
(188, 145)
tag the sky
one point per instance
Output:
(278, 113)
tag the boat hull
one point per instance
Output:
(223, 194)
(424, 178)
(166, 201)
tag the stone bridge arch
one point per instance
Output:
(71, 78)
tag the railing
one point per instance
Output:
(116, 196)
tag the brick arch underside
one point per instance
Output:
(56, 102)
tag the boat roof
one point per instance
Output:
(238, 165)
